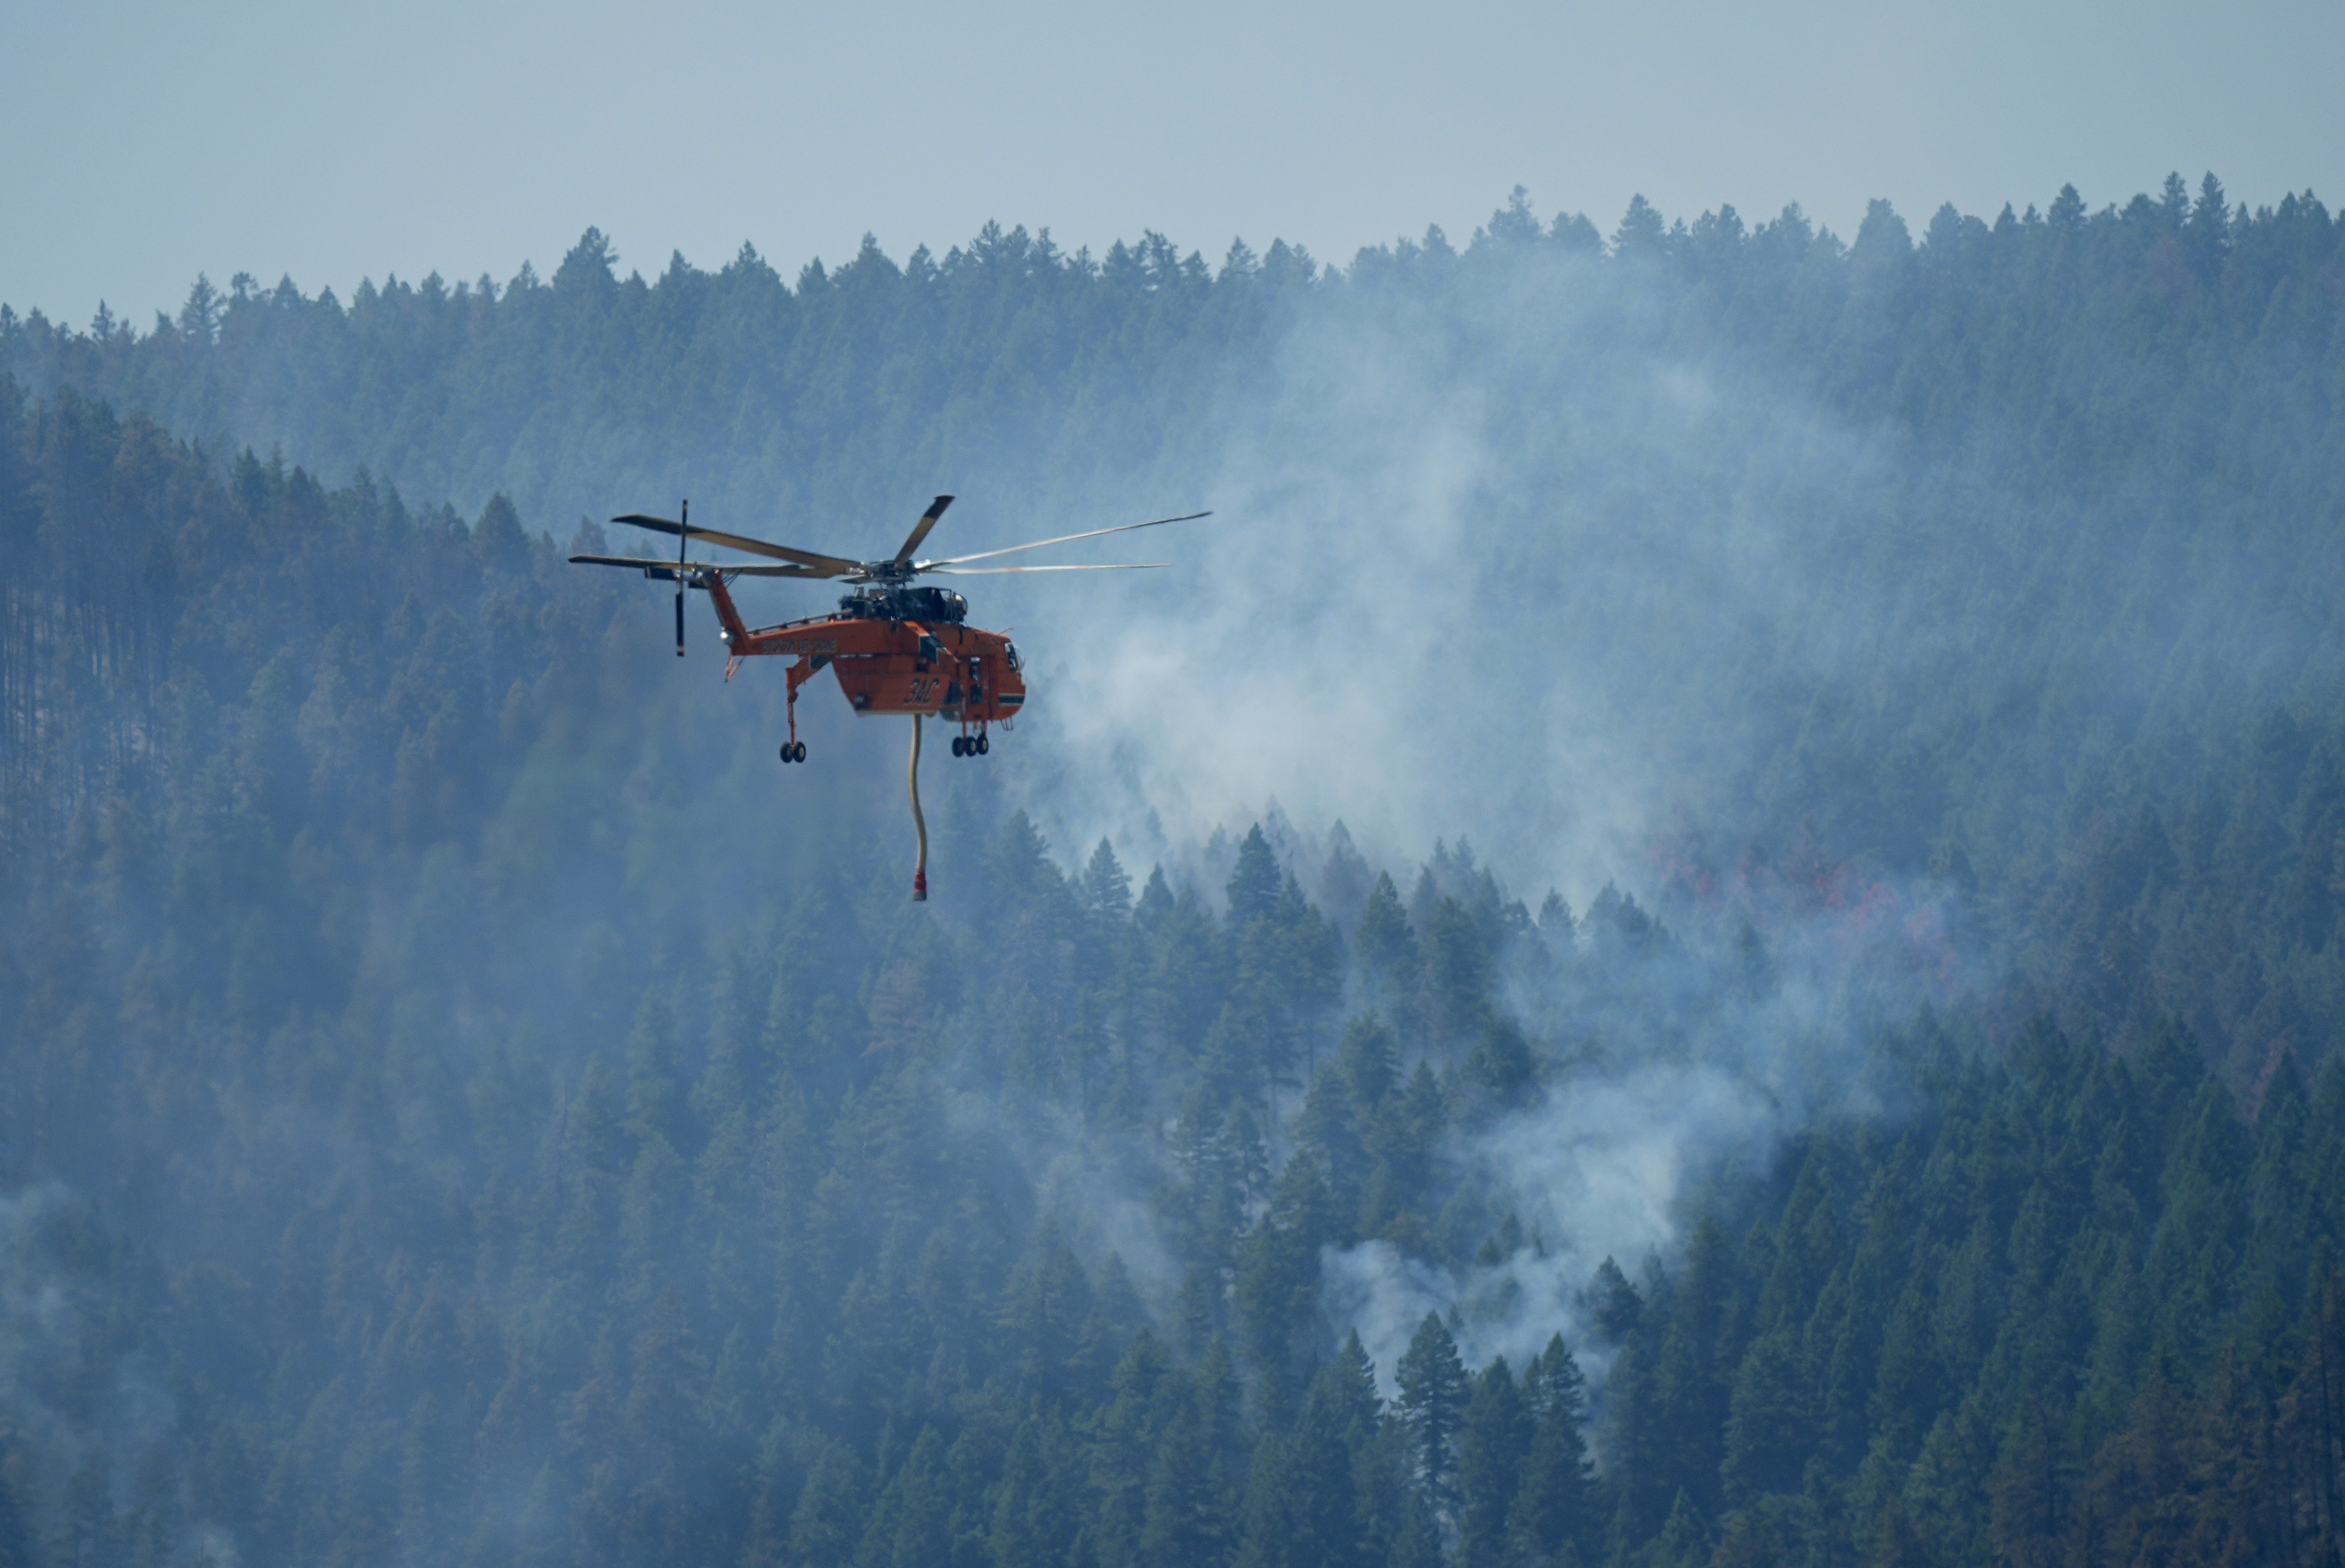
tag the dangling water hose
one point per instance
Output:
(920, 823)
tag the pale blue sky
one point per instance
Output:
(146, 142)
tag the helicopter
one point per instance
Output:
(897, 647)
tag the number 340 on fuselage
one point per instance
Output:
(897, 647)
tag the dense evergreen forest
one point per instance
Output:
(463, 1102)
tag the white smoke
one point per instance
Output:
(1599, 1168)
(1509, 567)
(70, 1382)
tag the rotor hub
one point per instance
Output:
(885, 603)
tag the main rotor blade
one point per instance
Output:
(1062, 539)
(982, 571)
(821, 565)
(920, 529)
(658, 570)
(664, 570)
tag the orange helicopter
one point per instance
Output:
(897, 648)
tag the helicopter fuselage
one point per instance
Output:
(895, 649)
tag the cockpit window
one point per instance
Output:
(1009, 652)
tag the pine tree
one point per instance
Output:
(1253, 885)
(1306, 1504)
(1555, 1508)
(1386, 944)
(1493, 1435)
(1035, 1520)
(1277, 1281)
(1769, 1427)
(828, 1521)
(1684, 1539)
(1460, 968)
(1613, 1303)
(1143, 1393)
(1107, 890)
(2030, 1491)
(1432, 1405)
(1186, 1516)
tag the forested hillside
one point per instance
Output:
(2006, 559)
(461, 1100)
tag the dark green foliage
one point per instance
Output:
(1276, 1293)
(1434, 1390)
(1494, 1437)
(1556, 1509)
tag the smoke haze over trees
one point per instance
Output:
(463, 1102)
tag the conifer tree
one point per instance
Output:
(1254, 886)
(1556, 1509)
(1493, 1433)
(1432, 1405)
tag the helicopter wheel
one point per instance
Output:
(793, 751)
(982, 746)
(800, 749)
(785, 751)
(960, 745)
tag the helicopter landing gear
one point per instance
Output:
(970, 745)
(799, 673)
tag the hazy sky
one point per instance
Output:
(147, 142)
